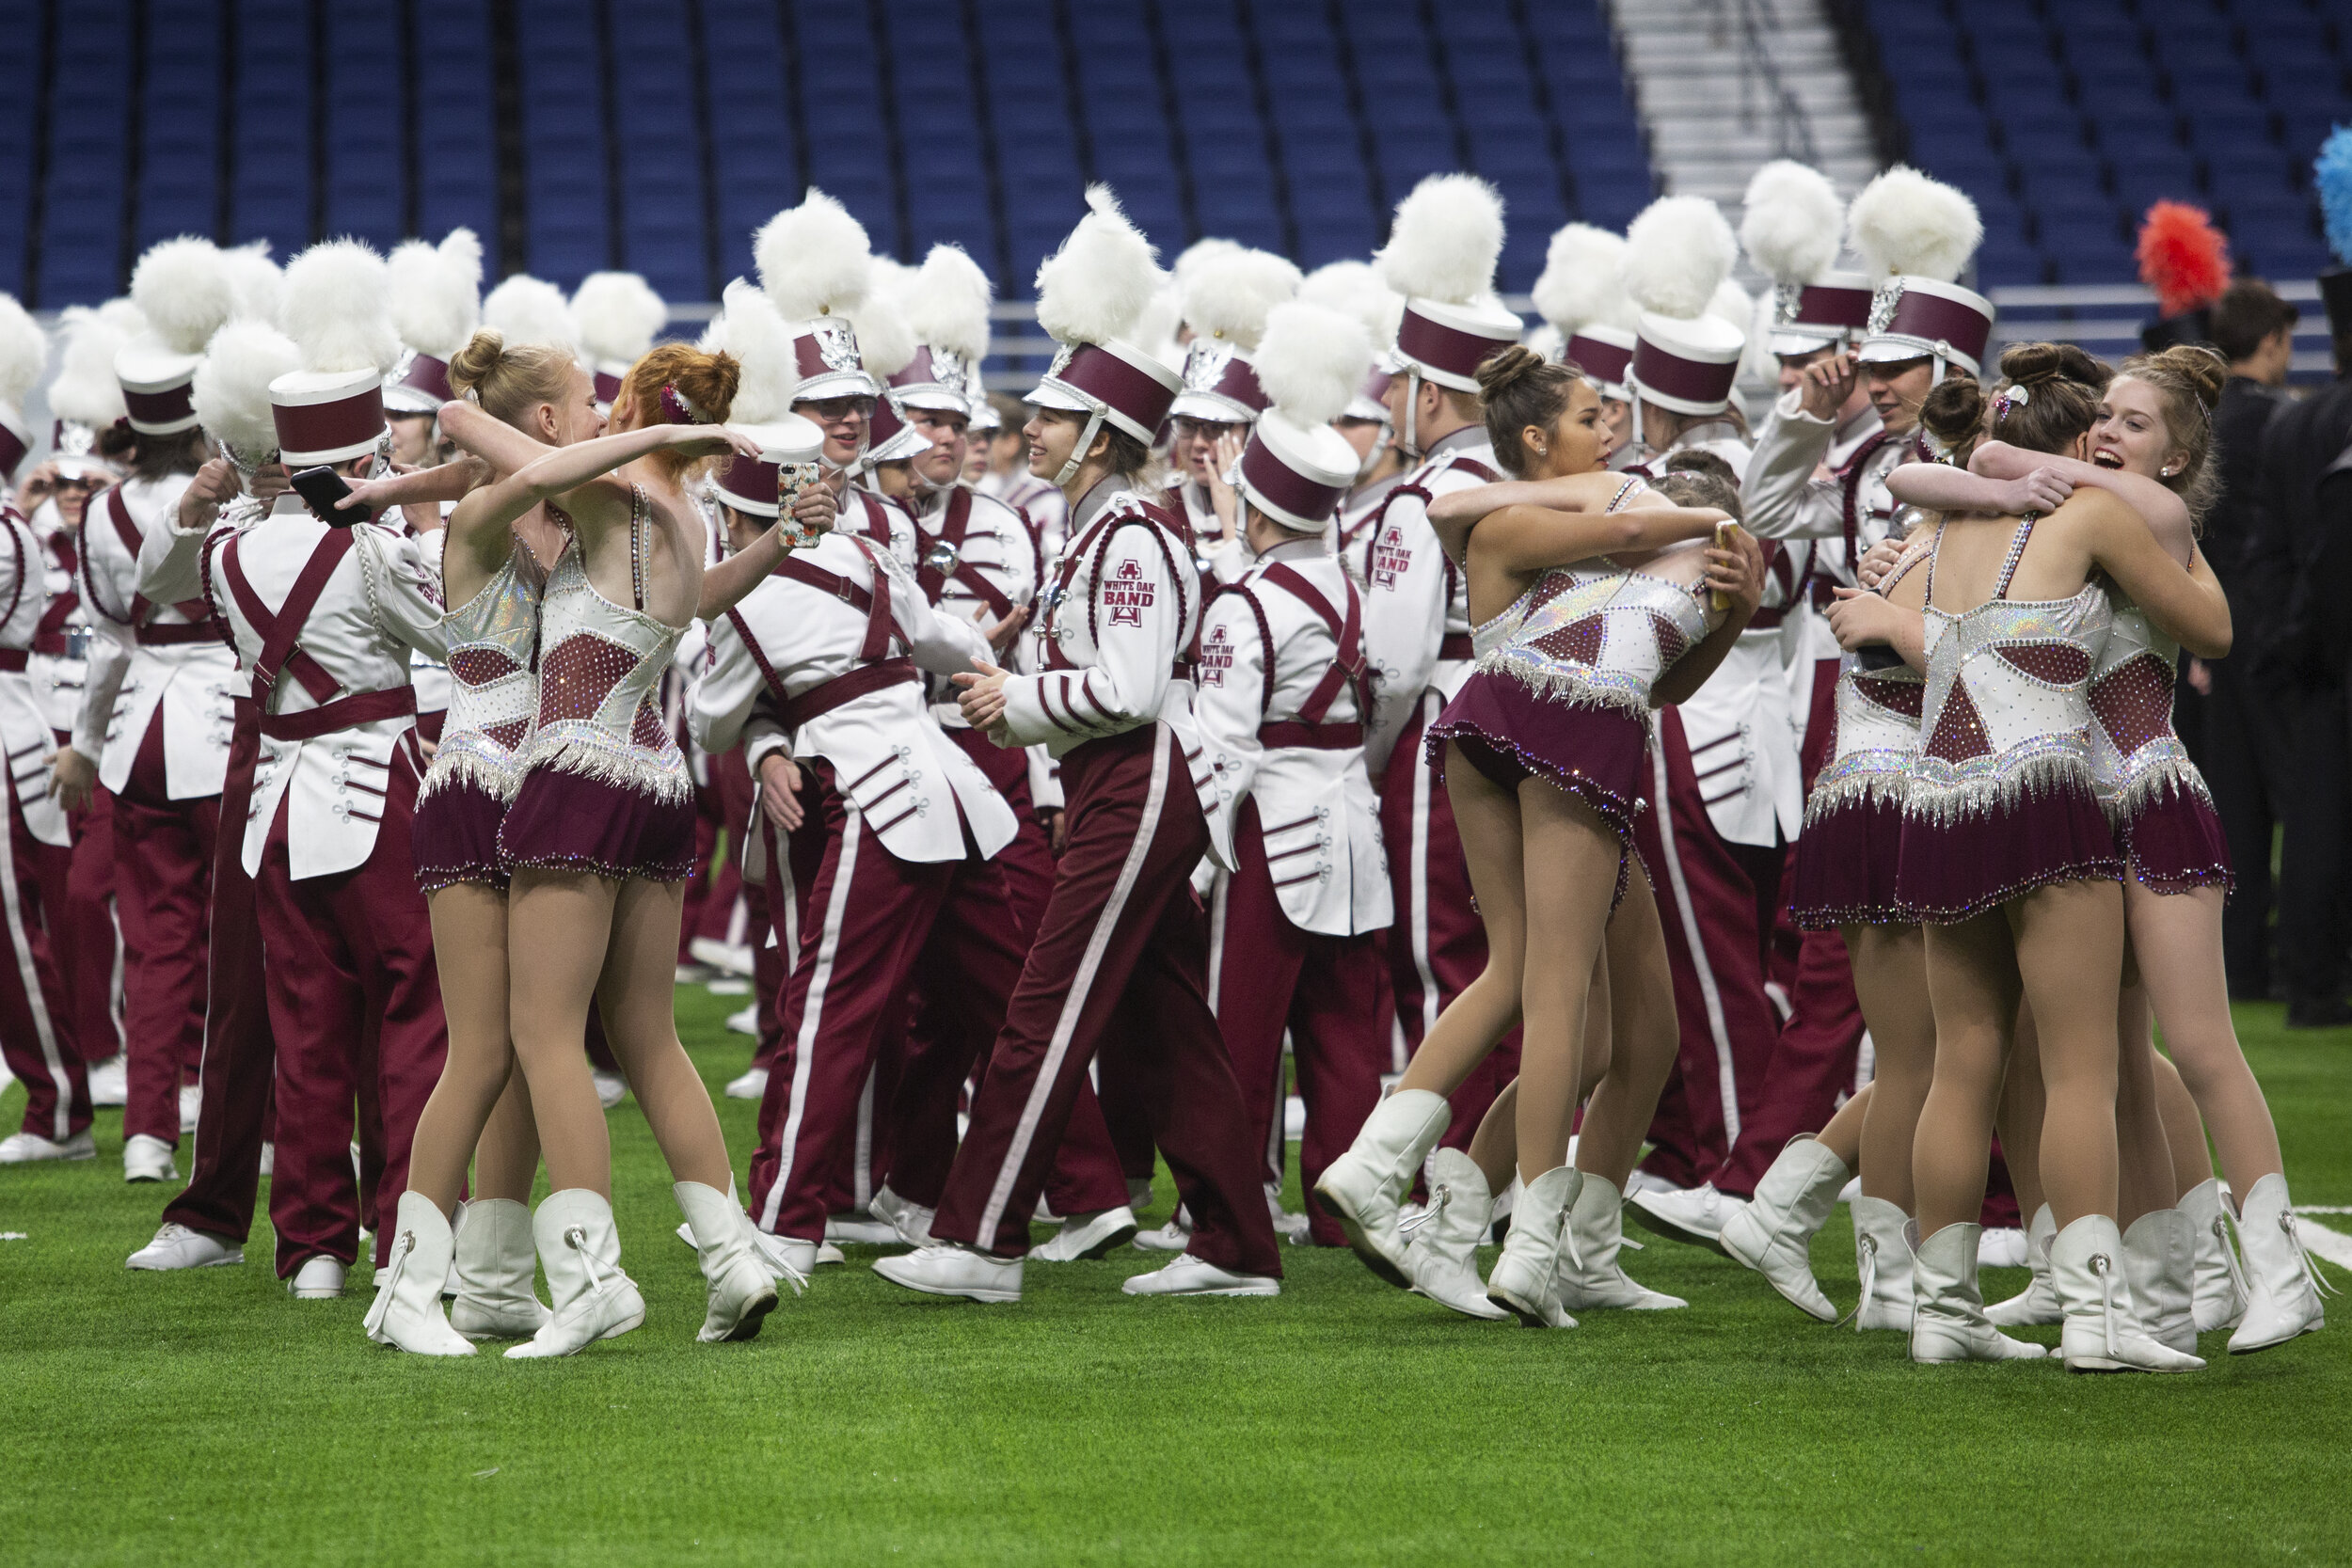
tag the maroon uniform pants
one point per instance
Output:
(77, 897)
(1266, 975)
(354, 1002)
(163, 879)
(1119, 967)
(1437, 944)
(36, 1032)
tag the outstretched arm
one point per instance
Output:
(570, 472)
(724, 584)
(1941, 487)
(449, 482)
(2166, 514)
(1530, 538)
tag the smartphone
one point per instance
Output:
(320, 489)
(791, 480)
(1725, 531)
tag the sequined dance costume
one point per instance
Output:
(2002, 798)
(494, 694)
(1562, 684)
(2156, 798)
(1853, 821)
(604, 787)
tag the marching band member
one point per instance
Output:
(1356, 289)
(1226, 295)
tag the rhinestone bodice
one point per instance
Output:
(2007, 699)
(494, 687)
(2134, 750)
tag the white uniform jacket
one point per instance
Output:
(25, 732)
(170, 659)
(1281, 722)
(381, 603)
(892, 762)
(872, 514)
(1116, 624)
(1352, 530)
(1041, 505)
(1416, 628)
(59, 662)
(1221, 560)
(1810, 479)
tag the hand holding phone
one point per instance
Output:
(321, 488)
(1726, 537)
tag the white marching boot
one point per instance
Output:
(580, 1250)
(2284, 1285)
(1589, 1276)
(1949, 1322)
(1881, 1255)
(1774, 1234)
(742, 1288)
(2218, 1296)
(1525, 1278)
(406, 1313)
(495, 1272)
(2159, 1257)
(1444, 1255)
(1364, 1186)
(2102, 1333)
(2037, 1305)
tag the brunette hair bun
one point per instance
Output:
(2033, 364)
(1953, 412)
(1500, 373)
(2197, 369)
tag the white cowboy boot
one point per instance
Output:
(1590, 1274)
(580, 1250)
(2283, 1286)
(2102, 1333)
(1948, 1323)
(1364, 1186)
(1525, 1277)
(743, 1289)
(1444, 1255)
(406, 1313)
(1774, 1234)
(2159, 1257)
(1882, 1253)
(2038, 1303)
(2217, 1294)
(495, 1272)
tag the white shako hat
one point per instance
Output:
(437, 303)
(1356, 289)
(1091, 295)
(23, 355)
(886, 344)
(86, 398)
(1440, 255)
(1225, 297)
(815, 262)
(336, 306)
(1296, 468)
(1582, 293)
(946, 305)
(1790, 227)
(183, 289)
(619, 317)
(232, 389)
(1677, 254)
(1916, 236)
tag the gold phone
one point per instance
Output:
(1725, 531)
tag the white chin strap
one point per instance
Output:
(1935, 377)
(1079, 453)
(1637, 444)
(1412, 406)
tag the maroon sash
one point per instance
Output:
(951, 532)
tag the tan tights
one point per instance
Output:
(1890, 977)
(2177, 938)
(480, 1107)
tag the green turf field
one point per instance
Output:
(209, 1418)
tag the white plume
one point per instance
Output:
(1905, 223)
(1099, 284)
(884, 340)
(1190, 258)
(1791, 223)
(1356, 289)
(335, 304)
(1312, 360)
(619, 316)
(183, 290)
(948, 306)
(24, 352)
(813, 258)
(1156, 330)
(1583, 281)
(1228, 296)
(436, 292)
(748, 327)
(255, 279)
(1675, 253)
(123, 315)
(1734, 304)
(231, 390)
(86, 390)
(1446, 239)
(527, 309)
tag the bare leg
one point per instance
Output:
(1572, 861)
(1488, 819)
(1843, 1136)
(2069, 959)
(568, 916)
(2144, 1180)
(2179, 940)
(1972, 975)
(1644, 1037)
(469, 951)
(1890, 977)
(637, 997)
(2020, 1119)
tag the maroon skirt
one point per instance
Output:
(456, 837)
(1847, 864)
(566, 821)
(1953, 871)
(2176, 844)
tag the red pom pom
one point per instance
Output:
(2182, 257)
